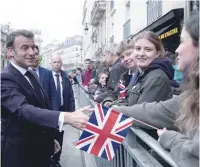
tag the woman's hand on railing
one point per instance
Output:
(108, 104)
(161, 131)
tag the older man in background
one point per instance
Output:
(64, 99)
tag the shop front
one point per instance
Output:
(168, 27)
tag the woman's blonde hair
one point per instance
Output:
(153, 38)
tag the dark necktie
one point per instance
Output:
(35, 73)
(58, 89)
(36, 86)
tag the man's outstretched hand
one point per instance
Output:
(78, 118)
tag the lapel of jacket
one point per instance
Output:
(24, 83)
(63, 80)
(54, 84)
(41, 78)
(41, 75)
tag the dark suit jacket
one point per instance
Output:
(47, 83)
(68, 95)
(116, 71)
(27, 134)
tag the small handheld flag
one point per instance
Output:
(122, 89)
(104, 132)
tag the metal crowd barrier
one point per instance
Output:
(130, 153)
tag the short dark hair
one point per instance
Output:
(36, 47)
(87, 60)
(79, 69)
(11, 37)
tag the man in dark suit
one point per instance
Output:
(45, 77)
(28, 126)
(64, 99)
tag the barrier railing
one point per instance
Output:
(131, 153)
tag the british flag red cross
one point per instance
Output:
(122, 89)
(104, 132)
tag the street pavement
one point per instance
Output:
(70, 155)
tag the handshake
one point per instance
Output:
(78, 118)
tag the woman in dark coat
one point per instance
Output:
(153, 82)
(155, 71)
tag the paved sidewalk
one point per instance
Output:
(71, 157)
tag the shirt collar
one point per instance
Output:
(88, 69)
(130, 72)
(37, 68)
(54, 73)
(20, 69)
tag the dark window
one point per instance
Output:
(194, 6)
(127, 29)
(111, 5)
(154, 10)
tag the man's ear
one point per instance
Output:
(10, 53)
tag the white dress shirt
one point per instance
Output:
(22, 71)
(62, 114)
(61, 86)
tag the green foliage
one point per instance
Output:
(40, 59)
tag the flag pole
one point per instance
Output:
(146, 124)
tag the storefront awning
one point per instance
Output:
(164, 29)
(164, 22)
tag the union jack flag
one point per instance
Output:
(104, 132)
(122, 89)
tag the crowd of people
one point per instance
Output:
(139, 62)
(140, 79)
(136, 77)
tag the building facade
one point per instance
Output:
(70, 51)
(106, 22)
(37, 37)
(3, 35)
(94, 28)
